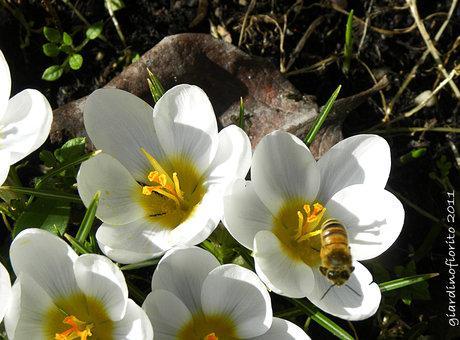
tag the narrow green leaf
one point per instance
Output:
(321, 117)
(411, 155)
(75, 61)
(52, 73)
(94, 30)
(42, 193)
(322, 320)
(50, 49)
(405, 281)
(79, 248)
(143, 264)
(52, 34)
(88, 219)
(348, 49)
(114, 5)
(241, 117)
(156, 89)
(67, 39)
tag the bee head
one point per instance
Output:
(338, 276)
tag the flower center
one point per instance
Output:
(78, 329)
(77, 317)
(208, 327)
(298, 226)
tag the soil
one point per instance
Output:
(144, 23)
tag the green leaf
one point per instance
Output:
(48, 158)
(50, 49)
(75, 61)
(143, 264)
(52, 34)
(66, 49)
(88, 219)
(348, 49)
(94, 30)
(114, 5)
(241, 116)
(321, 117)
(79, 248)
(52, 73)
(156, 89)
(405, 281)
(135, 58)
(43, 193)
(71, 150)
(67, 39)
(48, 214)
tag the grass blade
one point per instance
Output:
(405, 281)
(156, 89)
(321, 117)
(322, 320)
(88, 219)
(42, 193)
(348, 49)
(79, 248)
(143, 264)
(241, 117)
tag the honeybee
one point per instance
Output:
(335, 253)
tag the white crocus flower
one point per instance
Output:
(195, 298)
(60, 295)
(25, 121)
(281, 212)
(5, 291)
(162, 173)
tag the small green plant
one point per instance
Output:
(348, 50)
(63, 43)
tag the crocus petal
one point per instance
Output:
(182, 272)
(5, 84)
(120, 124)
(361, 159)
(186, 125)
(133, 242)
(280, 273)
(25, 319)
(135, 325)
(5, 291)
(120, 193)
(238, 293)
(26, 124)
(283, 168)
(373, 218)
(283, 329)
(233, 156)
(4, 165)
(54, 270)
(244, 213)
(167, 314)
(203, 220)
(357, 300)
(100, 278)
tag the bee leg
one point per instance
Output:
(354, 291)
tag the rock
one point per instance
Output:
(224, 72)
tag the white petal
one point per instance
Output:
(5, 291)
(26, 318)
(5, 84)
(98, 277)
(244, 213)
(167, 314)
(238, 293)
(120, 124)
(26, 124)
(133, 242)
(283, 168)
(182, 272)
(233, 156)
(343, 301)
(54, 270)
(373, 218)
(186, 125)
(280, 273)
(361, 159)
(135, 325)
(120, 193)
(4, 165)
(283, 329)
(204, 219)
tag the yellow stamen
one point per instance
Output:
(211, 336)
(307, 227)
(76, 331)
(177, 186)
(299, 225)
(155, 165)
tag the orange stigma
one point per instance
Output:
(211, 336)
(78, 329)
